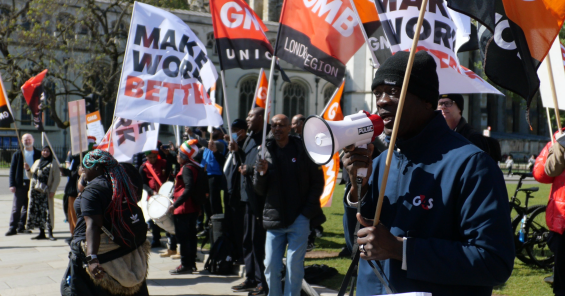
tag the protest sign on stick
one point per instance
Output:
(94, 126)
(77, 120)
(130, 137)
(166, 73)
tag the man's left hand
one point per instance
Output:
(171, 209)
(378, 242)
(52, 194)
(212, 146)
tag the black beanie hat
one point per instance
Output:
(456, 98)
(240, 124)
(423, 82)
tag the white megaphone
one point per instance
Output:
(322, 139)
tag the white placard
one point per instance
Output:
(166, 72)
(94, 126)
(557, 56)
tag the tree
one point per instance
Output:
(81, 42)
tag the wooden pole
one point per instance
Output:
(226, 104)
(44, 135)
(553, 93)
(549, 125)
(399, 112)
(267, 106)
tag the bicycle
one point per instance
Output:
(530, 230)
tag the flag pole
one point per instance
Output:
(226, 104)
(553, 93)
(399, 112)
(549, 125)
(43, 134)
(267, 105)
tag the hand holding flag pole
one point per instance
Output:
(399, 111)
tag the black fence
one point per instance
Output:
(6, 155)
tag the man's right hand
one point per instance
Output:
(233, 147)
(13, 189)
(26, 166)
(243, 169)
(354, 159)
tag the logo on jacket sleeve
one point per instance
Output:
(421, 200)
(134, 218)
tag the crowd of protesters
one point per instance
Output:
(267, 219)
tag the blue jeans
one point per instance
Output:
(296, 236)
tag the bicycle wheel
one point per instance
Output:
(537, 235)
(521, 252)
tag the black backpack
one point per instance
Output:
(202, 190)
(221, 257)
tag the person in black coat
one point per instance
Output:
(292, 185)
(19, 185)
(71, 191)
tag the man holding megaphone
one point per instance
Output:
(444, 226)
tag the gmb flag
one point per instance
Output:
(319, 36)
(240, 35)
(332, 112)
(374, 29)
(166, 73)
(515, 37)
(261, 90)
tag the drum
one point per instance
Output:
(143, 204)
(157, 210)
(167, 188)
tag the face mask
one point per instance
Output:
(234, 136)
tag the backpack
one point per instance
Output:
(201, 185)
(220, 261)
(134, 221)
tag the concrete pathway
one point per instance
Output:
(29, 267)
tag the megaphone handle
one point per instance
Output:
(361, 173)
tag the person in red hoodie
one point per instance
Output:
(154, 172)
(549, 168)
(189, 189)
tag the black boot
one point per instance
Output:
(41, 234)
(51, 238)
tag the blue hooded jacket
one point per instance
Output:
(449, 199)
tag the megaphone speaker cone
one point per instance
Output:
(323, 138)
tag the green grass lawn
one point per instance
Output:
(525, 280)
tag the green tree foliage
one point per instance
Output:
(80, 42)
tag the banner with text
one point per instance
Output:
(166, 72)
(130, 137)
(319, 36)
(438, 37)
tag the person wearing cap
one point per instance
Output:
(185, 208)
(444, 226)
(451, 107)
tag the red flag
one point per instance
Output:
(240, 35)
(319, 36)
(35, 97)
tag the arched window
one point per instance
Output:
(24, 116)
(211, 42)
(294, 99)
(246, 94)
(328, 93)
(5, 11)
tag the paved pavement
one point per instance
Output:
(29, 267)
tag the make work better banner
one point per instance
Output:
(166, 72)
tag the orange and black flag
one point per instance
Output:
(34, 95)
(6, 117)
(319, 36)
(374, 30)
(518, 38)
